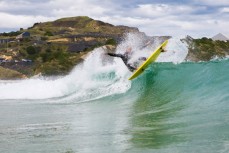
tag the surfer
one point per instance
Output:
(126, 57)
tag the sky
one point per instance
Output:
(197, 18)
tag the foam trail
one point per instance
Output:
(34, 89)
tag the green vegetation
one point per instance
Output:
(49, 59)
(76, 25)
(111, 42)
(205, 49)
(10, 34)
(48, 33)
(31, 50)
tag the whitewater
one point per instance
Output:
(174, 106)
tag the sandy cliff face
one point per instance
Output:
(7, 74)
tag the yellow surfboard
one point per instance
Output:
(149, 60)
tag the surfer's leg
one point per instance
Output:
(120, 56)
(115, 55)
(131, 68)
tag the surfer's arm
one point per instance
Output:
(115, 55)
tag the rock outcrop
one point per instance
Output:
(205, 49)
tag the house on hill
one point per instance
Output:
(23, 35)
(220, 37)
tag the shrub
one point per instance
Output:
(44, 38)
(48, 50)
(22, 52)
(48, 33)
(31, 50)
(111, 42)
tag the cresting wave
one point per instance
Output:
(90, 80)
(98, 76)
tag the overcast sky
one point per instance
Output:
(197, 18)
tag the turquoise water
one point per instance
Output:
(170, 108)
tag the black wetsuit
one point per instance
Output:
(125, 57)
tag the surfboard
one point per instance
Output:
(149, 60)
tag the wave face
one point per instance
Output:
(183, 106)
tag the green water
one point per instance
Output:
(170, 108)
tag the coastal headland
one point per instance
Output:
(54, 48)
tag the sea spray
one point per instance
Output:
(143, 46)
(90, 80)
(175, 52)
(96, 78)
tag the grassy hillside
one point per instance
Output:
(56, 47)
(205, 49)
(76, 25)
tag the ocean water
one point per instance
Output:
(174, 106)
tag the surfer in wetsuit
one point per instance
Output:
(126, 57)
